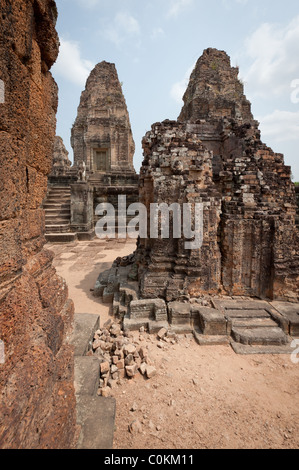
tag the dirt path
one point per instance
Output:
(201, 397)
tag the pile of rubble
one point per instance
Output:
(123, 355)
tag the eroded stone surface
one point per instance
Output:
(37, 406)
(101, 135)
(214, 156)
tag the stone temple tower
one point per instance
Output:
(102, 135)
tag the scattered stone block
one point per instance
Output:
(150, 371)
(162, 333)
(212, 322)
(132, 370)
(179, 313)
(105, 368)
(142, 368)
(129, 349)
(106, 392)
(135, 427)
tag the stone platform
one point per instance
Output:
(250, 325)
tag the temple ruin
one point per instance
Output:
(104, 148)
(213, 155)
(240, 287)
(101, 135)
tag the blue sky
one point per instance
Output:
(155, 44)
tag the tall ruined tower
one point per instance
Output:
(102, 135)
(214, 155)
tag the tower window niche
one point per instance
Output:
(101, 162)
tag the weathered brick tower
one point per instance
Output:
(214, 155)
(102, 135)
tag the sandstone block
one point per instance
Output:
(150, 371)
(132, 370)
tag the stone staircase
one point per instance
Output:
(255, 327)
(58, 214)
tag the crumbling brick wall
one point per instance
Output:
(37, 406)
(214, 155)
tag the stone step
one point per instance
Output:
(96, 416)
(59, 215)
(256, 313)
(59, 187)
(67, 237)
(249, 349)
(57, 222)
(51, 205)
(58, 211)
(253, 323)
(62, 228)
(260, 336)
(210, 340)
(58, 200)
(59, 192)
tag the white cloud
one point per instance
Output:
(124, 25)
(70, 65)
(280, 126)
(229, 4)
(178, 89)
(274, 50)
(157, 33)
(178, 6)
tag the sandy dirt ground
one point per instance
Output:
(204, 397)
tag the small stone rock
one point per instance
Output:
(113, 369)
(129, 349)
(151, 425)
(121, 373)
(134, 407)
(129, 360)
(108, 323)
(115, 359)
(135, 427)
(150, 371)
(131, 370)
(96, 344)
(143, 352)
(120, 364)
(142, 329)
(119, 353)
(162, 333)
(115, 329)
(142, 368)
(105, 367)
(106, 392)
(111, 383)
